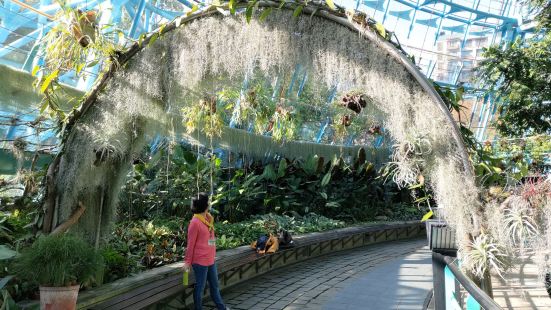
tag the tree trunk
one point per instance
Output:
(89, 174)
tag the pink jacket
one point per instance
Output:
(198, 249)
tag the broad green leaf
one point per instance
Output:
(331, 4)
(282, 167)
(4, 281)
(427, 216)
(6, 253)
(310, 165)
(155, 159)
(249, 13)
(324, 195)
(265, 14)
(298, 10)
(231, 6)
(194, 9)
(381, 29)
(35, 70)
(326, 179)
(269, 173)
(140, 39)
(49, 80)
(154, 38)
(190, 157)
(178, 152)
(92, 63)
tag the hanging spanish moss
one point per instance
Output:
(145, 96)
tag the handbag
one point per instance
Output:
(285, 239)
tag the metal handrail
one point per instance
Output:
(485, 301)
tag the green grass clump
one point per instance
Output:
(59, 261)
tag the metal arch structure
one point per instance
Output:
(61, 201)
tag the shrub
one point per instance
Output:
(116, 265)
(59, 261)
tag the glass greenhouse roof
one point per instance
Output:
(446, 38)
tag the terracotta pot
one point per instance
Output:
(58, 298)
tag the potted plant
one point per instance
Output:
(59, 264)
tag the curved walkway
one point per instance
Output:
(392, 275)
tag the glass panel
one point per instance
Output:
(452, 302)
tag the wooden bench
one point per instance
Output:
(163, 286)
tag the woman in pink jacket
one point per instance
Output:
(200, 252)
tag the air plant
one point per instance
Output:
(354, 102)
(484, 254)
(75, 43)
(284, 126)
(18, 148)
(518, 220)
(203, 116)
(407, 160)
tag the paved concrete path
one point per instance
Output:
(521, 288)
(393, 275)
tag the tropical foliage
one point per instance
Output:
(162, 182)
(291, 108)
(518, 74)
(74, 46)
(64, 260)
(352, 191)
(149, 189)
(139, 245)
(504, 161)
